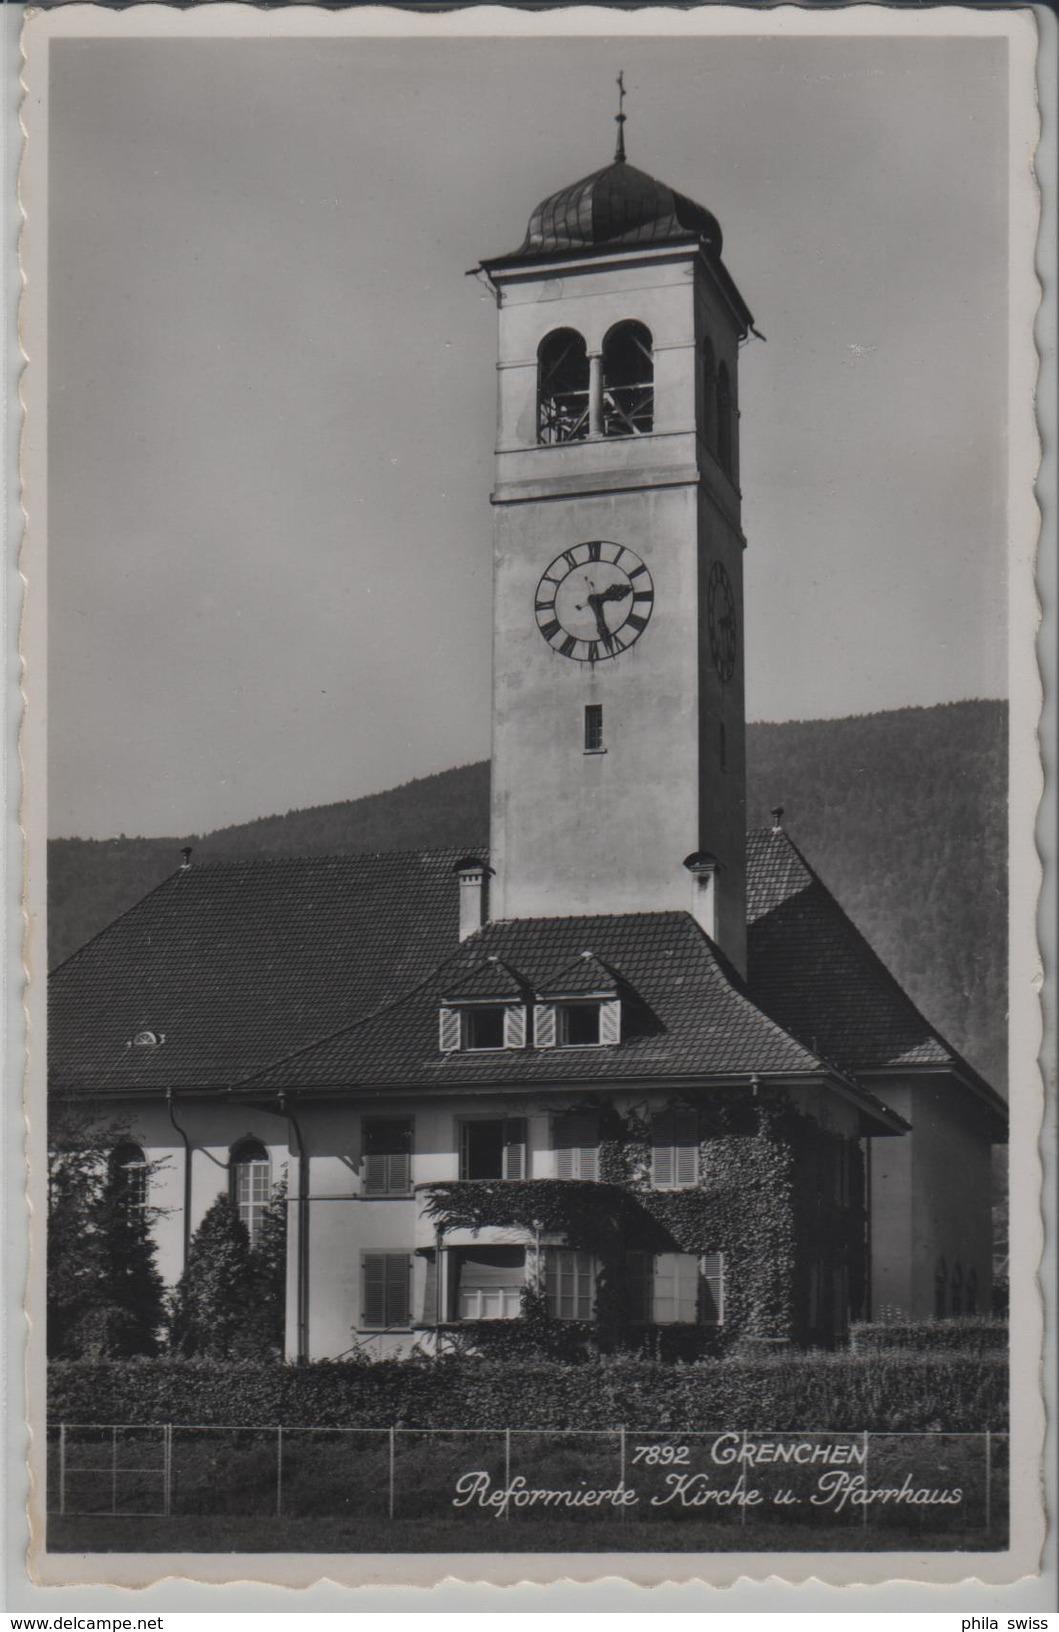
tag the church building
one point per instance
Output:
(618, 1064)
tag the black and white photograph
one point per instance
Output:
(531, 772)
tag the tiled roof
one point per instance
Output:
(811, 969)
(685, 1018)
(489, 979)
(237, 964)
(583, 974)
(616, 206)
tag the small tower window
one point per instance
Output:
(562, 387)
(594, 728)
(724, 420)
(709, 396)
(628, 381)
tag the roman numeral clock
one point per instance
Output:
(594, 600)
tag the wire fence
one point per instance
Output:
(952, 1483)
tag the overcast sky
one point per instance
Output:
(272, 389)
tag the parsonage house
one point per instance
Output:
(624, 1066)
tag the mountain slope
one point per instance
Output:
(903, 814)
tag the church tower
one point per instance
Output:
(618, 707)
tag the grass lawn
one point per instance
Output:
(224, 1534)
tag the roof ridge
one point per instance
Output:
(330, 855)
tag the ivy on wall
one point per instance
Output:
(768, 1198)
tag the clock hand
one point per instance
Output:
(614, 592)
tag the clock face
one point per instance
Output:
(721, 620)
(594, 601)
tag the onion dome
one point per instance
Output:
(615, 207)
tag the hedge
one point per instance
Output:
(879, 1392)
(968, 1334)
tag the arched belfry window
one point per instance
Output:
(250, 1174)
(724, 420)
(562, 387)
(709, 396)
(128, 1166)
(628, 381)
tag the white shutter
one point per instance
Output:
(712, 1308)
(449, 1030)
(610, 1021)
(376, 1175)
(515, 1026)
(515, 1148)
(686, 1142)
(544, 1025)
(564, 1160)
(662, 1150)
(398, 1287)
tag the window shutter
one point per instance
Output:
(712, 1305)
(610, 1021)
(449, 1030)
(564, 1161)
(375, 1174)
(662, 1150)
(429, 1312)
(515, 1148)
(515, 1026)
(544, 1025)
(373, 1289)
(398, 1278)
(400, 1175)
(589, 1154)
(686, 1141)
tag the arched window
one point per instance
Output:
(250, 1179)
(128, 1166)
(957, 1290)
(562, 387)
(724, 420)
(709, 396)
(941, 1288)
(628, 381)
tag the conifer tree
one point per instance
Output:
(215, 1309)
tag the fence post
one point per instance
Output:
(279, 1472)
(742, 1505)
(507, 1470)
(621, 1470)
(392, 1438)
(114, 1467)
(62, 1467)
(864, 1510)
(988, 1483)
(167, 1468)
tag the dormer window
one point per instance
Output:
(484, 1028)
(579, 1007)
(483, 1010)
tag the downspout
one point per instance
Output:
(187, 1179)
(439, 1270)
(301, 1260)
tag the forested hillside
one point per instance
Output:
(903, 814)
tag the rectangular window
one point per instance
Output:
(489, 1282)
(387, 1155)
(675, 1288)
(483, 1028)
(493, 1149)
(577, 1025)
(575, 1139)
(386, 1284)
(594, 728)
(570, 1284)
(675, 1149)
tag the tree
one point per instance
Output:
(104, 1292)
(215, 1309)
(270, 1265)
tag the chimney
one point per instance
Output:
(777, 818)
(704, 867)
(185, 862)
(472, 875)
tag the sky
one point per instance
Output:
(271, 392)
